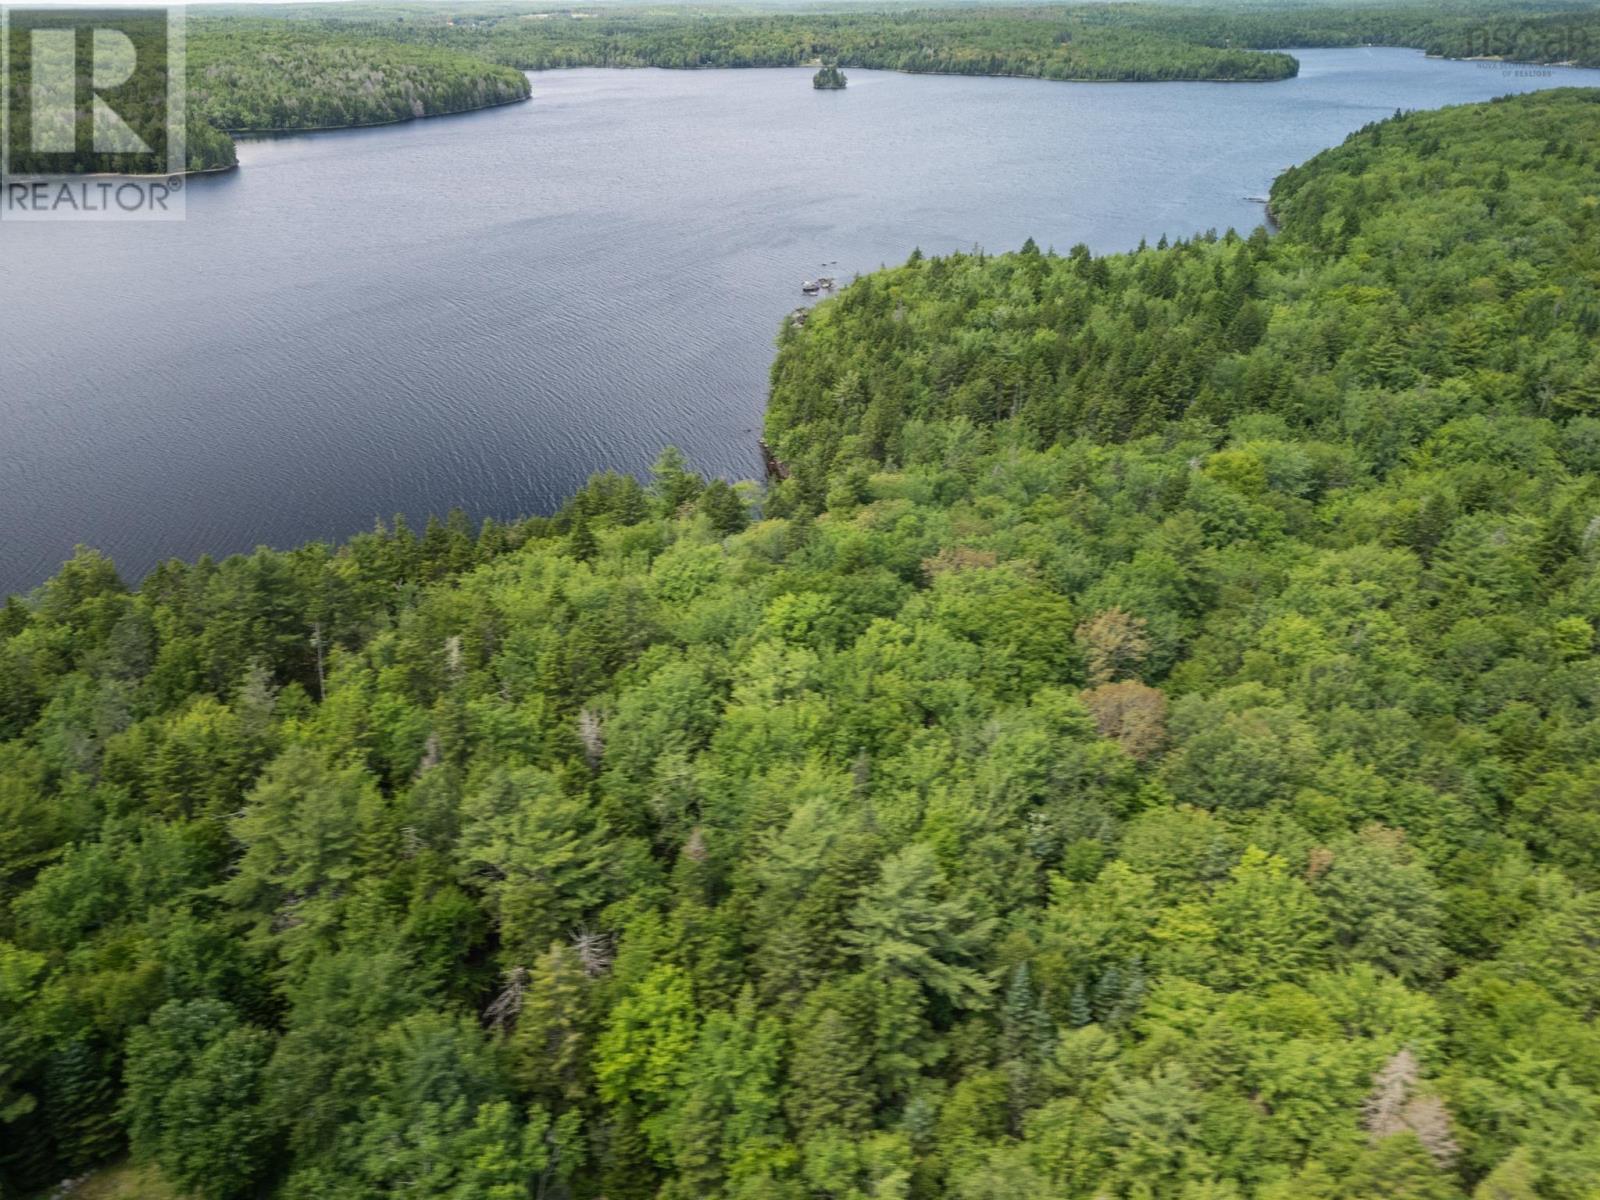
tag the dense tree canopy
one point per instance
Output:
(249, 75)
(1048, 43)
(1146, 749)
(321, 66)
(1126, 41)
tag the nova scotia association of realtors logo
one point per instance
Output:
(91, 114)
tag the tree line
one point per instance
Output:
(258, 75)
(1146, 748)
(1150, 42)
(245, 75)
(361, 64)
(1086, 43)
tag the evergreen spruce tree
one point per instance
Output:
(1079, 1012)
(581, 542)
(80, 1105)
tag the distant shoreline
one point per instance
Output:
(1291, 51)
(1078, 79)
(186, 174)
(904, 71)
(451, 112)
(276, 132)
(270, 133)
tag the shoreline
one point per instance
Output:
(1496, 59)
(1271, 217)
(452, 112)
(185, 174)
(1289, 50)
(904, 71)
(276, 132)
(1080, 79)
(250, 134)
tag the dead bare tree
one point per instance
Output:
(1395, 1106)
(1386, 1103)
(316, 644)
(594, 951)
(1429, 1119)
(503, 1010)
(432, 753)
(592, 735)
(695, 848)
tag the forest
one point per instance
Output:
(303, 67)
(1531, 33)
(1049, 43)
(255, 75)
(1144, 749)
(1132, 41)
(247, 75)
(141, 101)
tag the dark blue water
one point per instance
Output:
(482, 310)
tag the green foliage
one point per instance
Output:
(1145, 751)
(248, 75)
(829, 79)
(903, 930)
(193, 1090)
(366, 64)
(255, 75)
(1055, 42)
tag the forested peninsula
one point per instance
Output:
(1147, 748)
(303, 67)
(253, 76)
(248, 76)
(351, 65)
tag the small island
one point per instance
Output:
(829, 79)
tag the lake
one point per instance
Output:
(482, 310)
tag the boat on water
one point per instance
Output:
(811, 287)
